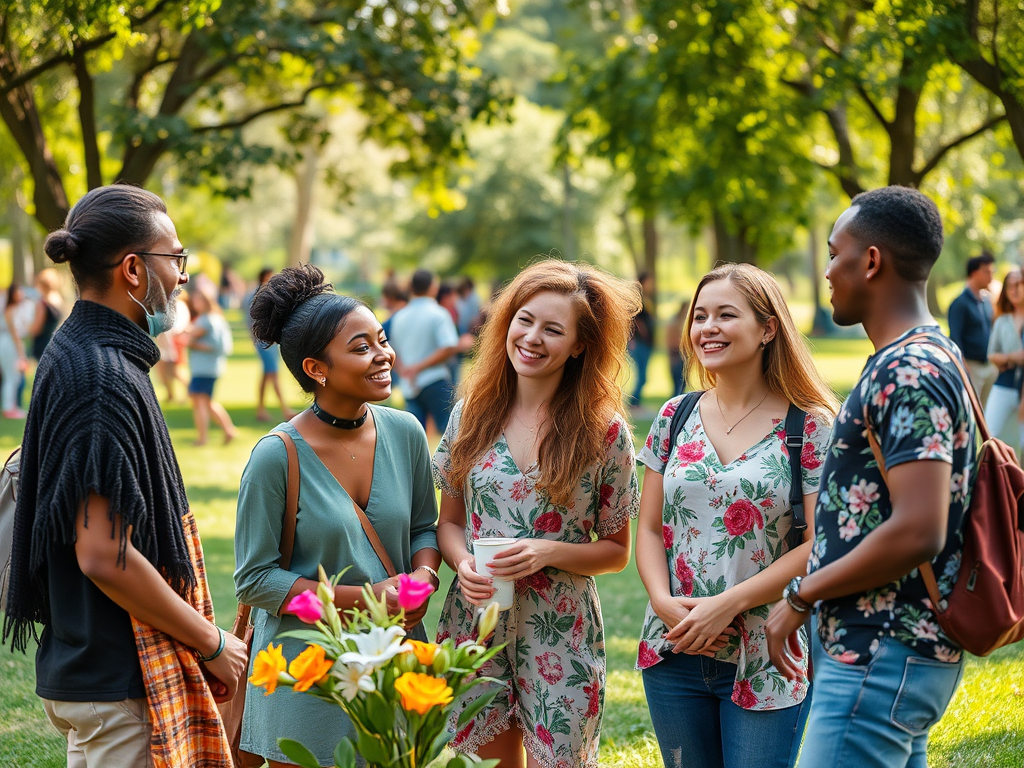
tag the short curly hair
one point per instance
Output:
(903, 222)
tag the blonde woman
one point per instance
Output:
(1006, 353)
(714, 516)
(538, 450)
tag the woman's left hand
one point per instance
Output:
(522, 559)
(709, 617)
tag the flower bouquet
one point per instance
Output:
(398, 693)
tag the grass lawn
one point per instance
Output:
(983, 727)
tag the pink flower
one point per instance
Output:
(649, 442)
(538, 582)
(477, 523)
(688, 453)
(685, 575)
(462, 735)
(593, 691)
(520, 489)
(606, 495)
(646, 656)
(545, 736)
(667, 536)
(549, 522)
(670, 409)
(743, 695)
(613, 433)
(307, 607)
(741, 517)
(810, 427)
(549, 665)
(412, 593)
(808, 459)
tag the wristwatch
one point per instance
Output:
(791, 593)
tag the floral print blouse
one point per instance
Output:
(918, 409)
(723, 524)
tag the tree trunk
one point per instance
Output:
(301, 240)
(732, 247)
(16, 216)
(814, 243)
(651, 253)
(568, 240)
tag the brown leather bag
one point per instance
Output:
(985, 610)
(231, 711)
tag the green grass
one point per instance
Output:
(984, 726)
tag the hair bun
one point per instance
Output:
(275, 301)
(61, 246)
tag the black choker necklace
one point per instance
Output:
(335, 421)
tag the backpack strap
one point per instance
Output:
(683, 411)
(795, 418)
(925, 569)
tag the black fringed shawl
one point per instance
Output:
(94, 426)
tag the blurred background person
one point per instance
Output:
(468, 304)
(209, 346)
(642, 342)
(1006, 353)
(269, 355)
(970, 322)
(13, 360)
(49, 310)
(673, 342)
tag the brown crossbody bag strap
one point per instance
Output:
(375, 542)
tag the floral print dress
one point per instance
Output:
(553, 664)
(723, 524)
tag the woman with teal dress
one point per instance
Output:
(350, 453)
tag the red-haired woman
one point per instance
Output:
(538, 450)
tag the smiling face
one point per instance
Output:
(543, 335)
(361, 359)
(725, 332)
(1013, 286)
(845, 270)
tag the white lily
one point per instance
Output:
(353, 678)
(375, 647)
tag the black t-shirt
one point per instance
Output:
(87, 651)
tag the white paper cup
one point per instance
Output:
(484, 551)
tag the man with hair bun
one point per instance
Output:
(106, 555)
(884, 671)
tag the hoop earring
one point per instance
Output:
(323, 381)
(762, 343)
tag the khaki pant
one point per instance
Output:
(983, 376)
(103, 734)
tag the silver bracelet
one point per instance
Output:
(216, 653)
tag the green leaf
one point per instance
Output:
(372, 748)
(298, 754)
(439, 743)
(345, 754)
(475, 707)
(458, 762)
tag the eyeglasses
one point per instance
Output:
(181, 257)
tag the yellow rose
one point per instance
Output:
(425, 652)
(420, 692)
(309, 667)
(268, 665)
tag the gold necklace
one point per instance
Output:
(516, 417)
(728, 429)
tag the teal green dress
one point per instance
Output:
(403, 510)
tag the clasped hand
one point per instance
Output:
(389, 588)
(699, 625)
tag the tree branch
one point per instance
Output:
(87, 120)
(946, 148)
(873, 107)
(270, 109)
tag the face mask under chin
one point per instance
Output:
(159, 320)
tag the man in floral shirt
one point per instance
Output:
(884, 670)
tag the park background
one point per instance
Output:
(469, 137)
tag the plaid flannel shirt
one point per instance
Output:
(187, 729)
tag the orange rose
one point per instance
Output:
(425, 652)
(268, 666)
(420, 692)
(309, 667)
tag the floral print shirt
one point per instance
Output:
(918, 409)
(723, 524)
(553, 663)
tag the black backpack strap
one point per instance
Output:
(795, 445)
(683, 411)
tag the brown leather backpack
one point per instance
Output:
(985, 610)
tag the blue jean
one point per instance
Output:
(434, 400)
(699, 726)
(641, 354)
(876, 715)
